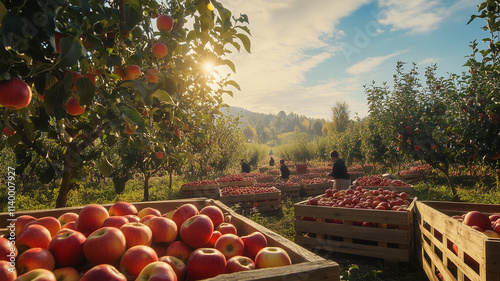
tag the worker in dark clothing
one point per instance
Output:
(339, 172)
(245, 168)
(285, 172)
(271, 162)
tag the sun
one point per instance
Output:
(208, 67)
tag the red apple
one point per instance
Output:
(67, 217)
(157, 271)
(135, 259)
(211, 243)
(122, 208)
(7, 271)
(33, 236)
(103, 272)
(146, 219)
(206, 263)
(230, 245)
(67, 248)
(115, 221)
(163, 229)
(197, 230)
(164, 23)
(132, 218)
(494, 217)
(8, 250)
(133, 72)
(15, 93)
(35, 258)
(239, 263)
(184, 212)
(66, 274)
(226, 228)
(475, 218)
(69, 225)
(137, 233)
(179, 250)
(148, 211)
(73, 107)
(159, 49)
(50, 223)
(39, 274)
(272, 257)
(491, 233)
(91, 218)
(21, 223)
(177, 265)
(151, 77)
(105, 245)
(254, 242)
(214, 213)
(160, 248)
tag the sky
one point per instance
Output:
(308, 55)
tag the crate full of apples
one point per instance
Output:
(263, 197)
(202, 188)
(236, 180)
(374, 223)
(315, 186)
(458, 241)
(163, 241)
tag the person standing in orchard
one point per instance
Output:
(245, 168)
(271, 162)
(339, 172)
(285, 172)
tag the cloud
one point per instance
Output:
(369, 64)
(428, 61)
(289, 38)
(418, 16)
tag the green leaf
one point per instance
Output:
(163, 96)
(132, 114)
(105, 167)
(86, 91)
(245, 40)
(71, 50)
(230, 64)
(170, 86)
(233, 83)
(133, 16)
(207, 22)
(54, 99)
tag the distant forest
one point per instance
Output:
(276, 129)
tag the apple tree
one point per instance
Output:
(108, 72)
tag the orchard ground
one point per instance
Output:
(474, 187)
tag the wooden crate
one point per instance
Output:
(315, 188)
(263, 202)
(305, 264)
(436, 231)
(194, 191)
(237, 183)
(408, 189)
(318, 228)
(290, 191)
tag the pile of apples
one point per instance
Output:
(201, 182)
(378, 180)
(488, 225)
(237, 190)
(416, 169)
(315, 180)
(361, 198)
(234, 177)
(123, 244)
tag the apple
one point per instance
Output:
(135, 259)
(163, 229)
(416, 147)
(272, 257)
(151, 77)
(122, 208)
(133, 72)
(475, 218)
(73, 107)
(146, 219)
(137, 233)
(494, 217)
(67, 248)
(211, 243)
(105, 245)
(132, 218)
(226, 228)
(90, 218)
(67, 217)
(33, 236)
(184, 212)
(496, 226)
(160, 248)
(66, 274)
(197, 230)
(7, 272)
(7, 131)
(254, 242)
(177, 265)
(239, 263)
(39, 274)
(15, 94)
(159, 50)
(164, 23)
(21, 223)
(115, 221)
(148, 211)
(35, 258)
(230, 245)
(205, 263)
(491, 233)
(6, 249)
(157, 271)
(50, 223)
(103, 272)
(214, 213)
(120, 72)
(179, 250)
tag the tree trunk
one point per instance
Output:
(62, 197)
(170, 180)
(452, 187)
(146, 186)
